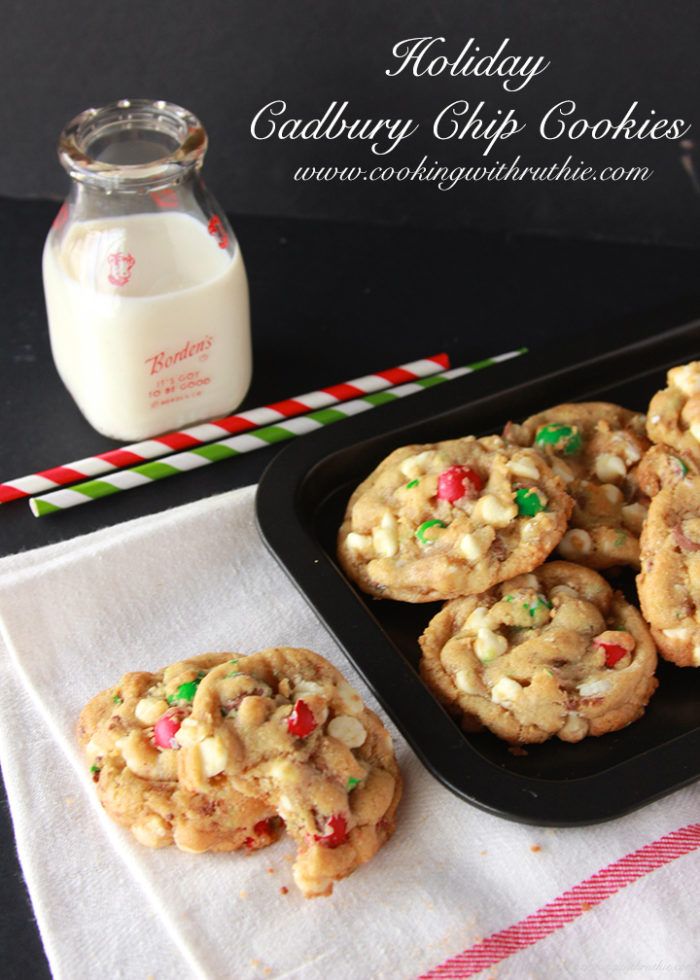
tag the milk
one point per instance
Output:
(149, 322)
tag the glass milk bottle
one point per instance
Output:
(146, 291)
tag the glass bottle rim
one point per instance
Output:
(182, 135)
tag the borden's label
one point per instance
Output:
(164, 360)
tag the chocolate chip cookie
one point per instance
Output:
(450, 519)
(554, 653)
(130, 734)
(284, 726)
(595, 448)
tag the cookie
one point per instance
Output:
(662, 466)
(130, 736)
(669, 582)
(595, 448)
(450, 519)
(673, 418)
(286, 727)
(555, 653)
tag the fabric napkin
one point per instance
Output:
(454, 884)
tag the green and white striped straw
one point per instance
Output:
(192, 459)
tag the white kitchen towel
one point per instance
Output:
(76, 616)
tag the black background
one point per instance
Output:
(225, 60)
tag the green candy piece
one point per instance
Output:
(95, 769)
(185, 692)
(539, 603)
(352, 783)
(117, 699)
(412, 484)
(562, 437)
(528, 502)
(682, 466)
(425, 526)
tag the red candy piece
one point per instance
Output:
(336, 832)
(164, 731)
(263, 828)
(458, 482)
(613, 653)
(301, 722)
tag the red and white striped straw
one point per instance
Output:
(198, 435)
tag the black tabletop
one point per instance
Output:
(330, 301)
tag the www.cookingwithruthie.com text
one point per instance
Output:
(446, 178)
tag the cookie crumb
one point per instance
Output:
(535, 848)
(284, 890)
(483, 853)
(517, 750)
(586, 906)
(270, 871)
(243, 894)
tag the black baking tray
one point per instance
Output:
(300, 503)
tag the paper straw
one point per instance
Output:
(198, 435)
(138, 476)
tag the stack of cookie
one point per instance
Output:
(530, 648)
(222, 751)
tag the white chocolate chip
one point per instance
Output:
(474, 545)
(306, 689)
(361, 543)
(93, 749)
(505, 691)
(678, 633)
(489, 645)
(414, 466)
(561, 469)
(612, 493)
(575, 543)
(189, 733)
(349, 698)
(695, 430)
(495, 511)
(591, 689)
(633, 516)
(477, 619)
(386, 537)
(696, 656)
(524, 467)
(564, 590)
(347, 730)
(574, 727)
(610, 468)
(149, 710)
(286, 807)
(686, 377)
(466, 683)
(213, 755)
(152, 832)
(630, 451)
(531, 528)
(284, 772)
